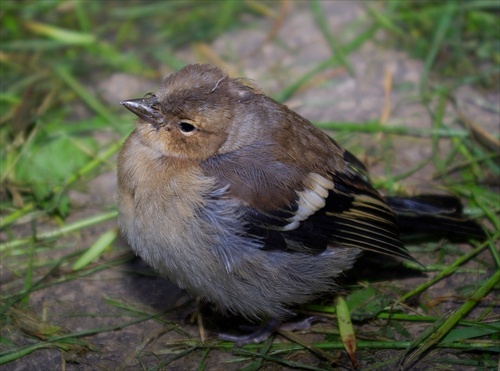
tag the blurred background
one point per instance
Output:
(410, 87)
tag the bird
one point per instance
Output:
(244, 203)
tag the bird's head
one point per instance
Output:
(196, 114)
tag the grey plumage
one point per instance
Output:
(240, 200)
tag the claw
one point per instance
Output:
(260, 333)
(302, 325)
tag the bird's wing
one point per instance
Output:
(294, 209)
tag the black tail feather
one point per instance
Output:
(434, 216)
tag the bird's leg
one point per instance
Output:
(259, 333)
(303, 324)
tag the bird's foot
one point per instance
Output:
(259, 333)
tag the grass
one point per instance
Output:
(58, 135)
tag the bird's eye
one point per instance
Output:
(186, 128)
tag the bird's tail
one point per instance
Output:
(432, 216)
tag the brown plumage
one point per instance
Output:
(242, 201)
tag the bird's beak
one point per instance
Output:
(145, 108)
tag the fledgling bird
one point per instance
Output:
(243, 202)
